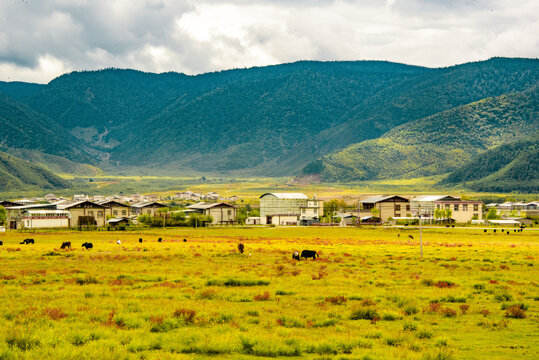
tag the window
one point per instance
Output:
(303, 211)
(464, 207)
(397, 215)
(229, 212)
(100, 214)
(456, 207)
(476, 207)
(407, 207)
(148, 211)
(90, 213)
(438, 206)
(397, 208)
(114, 212)
(447, 206)
(124, 212)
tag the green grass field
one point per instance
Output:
(368, 295)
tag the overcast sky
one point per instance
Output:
(41, 39)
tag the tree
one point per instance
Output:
(375, 212)
(438, 213)
(492, 214)
(448, 213)
(2, 215)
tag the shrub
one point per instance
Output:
(464, 308)
(236, 282)
(444, 284)
(336, 300)
(433, 307)
(363, 314)
(424, 334)
(367, 302)
(503, 297)
(389, 317)
(410, 310)
(515, 312)
(394, 341)
(55, 313)
(87, 280)
(521, 305)
(187, 315)
(289, 323)
(163, 325)
(262, 297)
(479, 287)
(409, 327)
(282, 292)
(448, 312)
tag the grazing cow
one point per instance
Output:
(411, 237)
(184, 240)
(87, 245)
(27, 241)
(485, 230)
(494, 230)
(295, 255)
(240, 248)
(1, 243)
(502, 230)
(508, 232)
(118, 242)
(159, 240)
(66, 245)
(309, 254)
(398, 235)
(140, 240)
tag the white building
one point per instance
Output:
(40, 219)
(289, 208)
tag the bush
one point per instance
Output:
(364, 314)
(515, 312)
(409, 327)
(336, 300)
(236, 282)
(262, 297)
(424, 334)
(448, 312)
(187, 315)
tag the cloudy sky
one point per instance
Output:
(41, 39)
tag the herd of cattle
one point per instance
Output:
(241, 248)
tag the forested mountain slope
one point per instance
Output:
(436, 144)
(19, 174)
(269, 120)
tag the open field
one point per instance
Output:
(475, 295)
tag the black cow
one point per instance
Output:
(241, 247)
(66, 245)
(184, 240)
(295, 255)
(140, 240)
(159, 240)
(1, 243)
(309, 254)
(87, 245)
(27, 241)
(485, 230)
(411, 237)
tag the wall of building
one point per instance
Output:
(97, 213)
(222, 214)
(118, 211)
(463, 212)
(37, 223)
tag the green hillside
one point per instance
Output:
(24, 128)
(19, 174)
(506, 168)
(437, 144)
(266, 121)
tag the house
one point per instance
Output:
(347, 218)
(118, 222)
(385, 207)
(14, 214)
(252, 220)
(462, 211)
(115, 209)
(7, 203)
(51, 198)
(149, 208)
(83, 208)
(424, 205)
(40, 219)
(289, 208)
(222, 213)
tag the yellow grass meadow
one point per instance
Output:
(474, 295)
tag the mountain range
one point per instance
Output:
(341, 121)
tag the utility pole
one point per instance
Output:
(420, 237)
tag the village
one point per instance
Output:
(271, 209)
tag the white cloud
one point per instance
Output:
(39, 40)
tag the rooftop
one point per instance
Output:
(287, 195)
